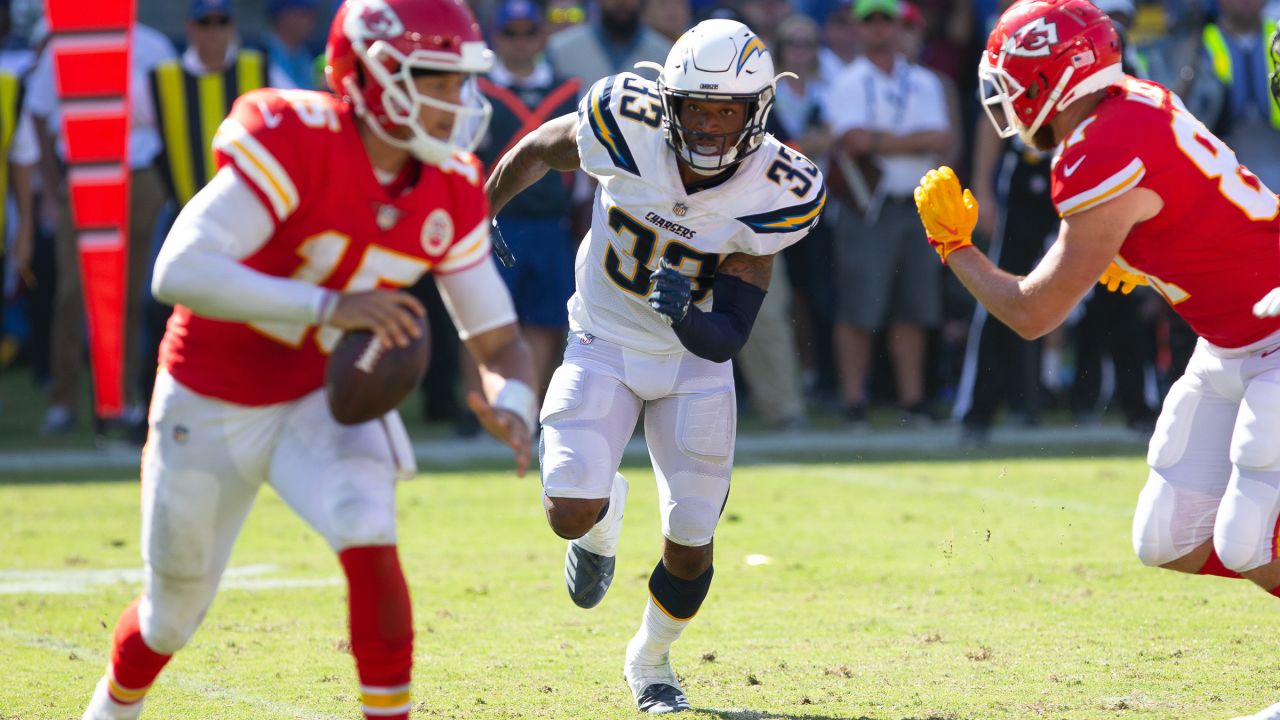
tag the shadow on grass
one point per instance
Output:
(765, 715)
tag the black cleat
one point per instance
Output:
(660, 699)
(587, 575)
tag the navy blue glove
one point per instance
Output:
(671, 293)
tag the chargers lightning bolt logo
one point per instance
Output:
(755, 46)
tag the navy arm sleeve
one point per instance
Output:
(719, 335)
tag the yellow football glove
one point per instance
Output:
(1117, 278)
(948, 214)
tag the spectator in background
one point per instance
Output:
(1011, 182)
(892, 127)
(764, 17)
(839, 41)
(292, 23)
(19, 152)
(146, 197)
(612, 42)
(800, 112)
(1249, 120)
(190, 96)
(525, 92)
(668, 18)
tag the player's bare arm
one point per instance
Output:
(503, 356)
(754, 269)
(1037, 303)
(553, 146)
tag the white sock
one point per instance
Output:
(602, 538)
(102, 707)
(658, 631)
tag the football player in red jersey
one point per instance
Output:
(1147, 195)
(322, 206)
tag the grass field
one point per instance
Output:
(983, 589)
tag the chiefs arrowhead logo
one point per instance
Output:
(1035, 39)
(373, 20)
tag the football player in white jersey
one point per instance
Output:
(694, 200)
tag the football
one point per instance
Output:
(365, 379)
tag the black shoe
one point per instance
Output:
(919, 415)
(661, 699)
(856, 415)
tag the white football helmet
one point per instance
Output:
(716, 61)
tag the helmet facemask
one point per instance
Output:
(748, 138)
(402, 102)
(1000, 91)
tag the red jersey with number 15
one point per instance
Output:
(337, 227)
(1214, 249)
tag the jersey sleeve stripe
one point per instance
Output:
(467, 251)
(257, 164)
(605, 127)
(1124, 180)
(788, 219)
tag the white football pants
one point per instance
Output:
(1215, 460)
(690, 423)
(201, 469)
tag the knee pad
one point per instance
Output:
(173, 609)
(1254, 445)
(361, 507)
(1160, 532)
(690, 519)
(1245, 529)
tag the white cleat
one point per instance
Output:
(589, 560)
(655, 687)
(1271, 713)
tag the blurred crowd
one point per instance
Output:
(863, 322)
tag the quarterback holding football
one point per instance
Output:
(1147, 195)
(322, 206)
(694, 200)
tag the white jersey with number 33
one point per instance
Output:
(642, 214)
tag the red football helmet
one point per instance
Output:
(376, 45)
(1042, 56)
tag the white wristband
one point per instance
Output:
(518, 398)
(327, 303)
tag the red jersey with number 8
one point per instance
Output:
(1214, 249)
(337, 226)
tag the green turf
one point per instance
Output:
(996, 588)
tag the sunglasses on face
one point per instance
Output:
(517, 34)
(566, 15)
(213, 21)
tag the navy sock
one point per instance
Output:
(677, 597)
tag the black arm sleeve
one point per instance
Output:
(719, 335)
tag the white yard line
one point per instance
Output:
(177, 679)
(72, 582)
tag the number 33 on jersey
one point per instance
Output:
(1213, 250)
(644, 214)
(337, 227)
